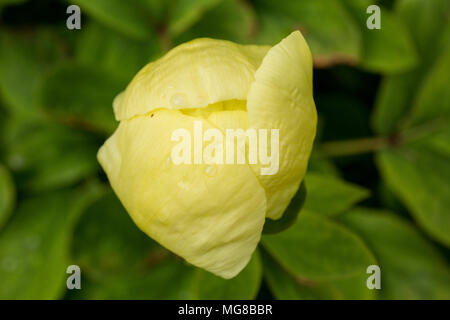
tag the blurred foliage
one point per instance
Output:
(378, 186)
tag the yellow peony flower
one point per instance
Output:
(211, 214)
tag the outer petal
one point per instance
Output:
(192, 75)
(281, 98)
(212, 215)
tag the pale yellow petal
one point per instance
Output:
(281, 98)
(212, 215)
(193, 75)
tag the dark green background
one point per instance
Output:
(379, 178)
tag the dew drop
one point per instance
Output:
(178, 100)
(210, 171)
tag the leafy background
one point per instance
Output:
(379, 178)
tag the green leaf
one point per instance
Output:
(418, 173)
(430, 15)
(99, 47)
(389, 201)
(7, 195)
(82, 96)
(324, 166)
(236, 23)
(392, 101)
(410, 267)
(34, 246)
(185, 13)
(290, 214)
(24, 59)
(338, 40)
(126, 17)
(118, 245)
(353, 288)
(433, 99)
(244, 286)
(316, 248)
(439, 140)
(272, 26)
(170, 279)
(46, 155)
(330, 196)
(397, 92)
(389, 49)
(156, 10)
(287, 287)
(419, 176)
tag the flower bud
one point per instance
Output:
(212, 213)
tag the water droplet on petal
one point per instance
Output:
(210, 170)
(178, 100)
